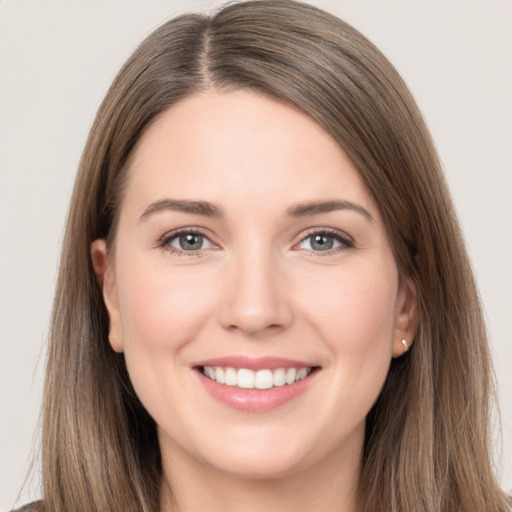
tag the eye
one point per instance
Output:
(325, 241)
(186, 241)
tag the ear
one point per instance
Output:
(406, 319)
(105, 277)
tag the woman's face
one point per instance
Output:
(252, 288)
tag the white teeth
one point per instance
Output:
(230, 377)
(245, 379)
(301, 374)
(219, 375)
(279, 377)
(261, 379)
(264, 379)
(291, 373)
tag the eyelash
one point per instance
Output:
(345, 241)
(165, 241)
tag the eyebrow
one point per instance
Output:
(208, 209)
(318, 207)
(181, 205)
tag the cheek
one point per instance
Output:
(354, 309)
(162, 310)
(355, 318)
(355, 302)
(159, 306)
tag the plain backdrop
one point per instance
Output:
(57, 59)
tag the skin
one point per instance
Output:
(258, 287)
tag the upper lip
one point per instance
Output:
(253, 363)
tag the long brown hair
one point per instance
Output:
(427, 436)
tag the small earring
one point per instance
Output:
(404, 343)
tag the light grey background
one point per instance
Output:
(57, 59)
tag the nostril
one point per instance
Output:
(254, 306)
(255, 328)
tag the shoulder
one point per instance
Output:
(35, 506)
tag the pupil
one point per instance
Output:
(322, 242)
(191, 242)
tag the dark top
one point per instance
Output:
(35, 506)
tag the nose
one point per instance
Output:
(256, 301)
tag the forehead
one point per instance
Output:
(242, 146)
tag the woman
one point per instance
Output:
(257, 305)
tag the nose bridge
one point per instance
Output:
(254, 301)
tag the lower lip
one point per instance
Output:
(255, 400)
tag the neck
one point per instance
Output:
(329, 486)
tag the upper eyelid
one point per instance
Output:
(329, 231)
(164, 241)
(169, 235)
(346, 241)
(173, 233)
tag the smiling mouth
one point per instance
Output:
(244, 378)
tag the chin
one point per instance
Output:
(261, 466)
(261, 454)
